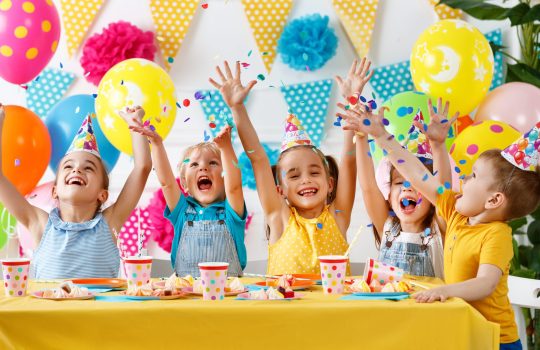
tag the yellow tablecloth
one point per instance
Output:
(314, 322)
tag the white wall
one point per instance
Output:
(222, 32)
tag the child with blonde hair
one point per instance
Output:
(77, 238)
(309, 214)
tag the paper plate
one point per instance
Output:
(298, 284)
(100, 282)
(394, 294)
(189, 290)
(153, 297)
(39, 295)
(245, 296)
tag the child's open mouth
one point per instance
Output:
(308, 192)
(76, 181)
(407, 205)
(204, 183)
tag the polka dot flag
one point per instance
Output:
(309, 101)
(390, 80)
(217, 113)
(47, 89)
(77, 17)
(496, 37)
(172, 19)
(129, 233)
(445, 12)
(267, 19)
(358, 18)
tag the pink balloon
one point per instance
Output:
(517, 104)
(41, 197)
(29, 33)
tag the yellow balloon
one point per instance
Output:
(478, 138)
(453, 60)
(135, 82)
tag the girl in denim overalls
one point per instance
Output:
(405, 226)
(209, 221)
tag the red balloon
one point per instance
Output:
(26, 148)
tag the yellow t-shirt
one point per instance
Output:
(466, 248)
(303, 241)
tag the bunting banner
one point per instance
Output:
(498, 78)
(358, 19)
(77, 17)
(138, 223)
(267, 19)
(47, 90)
(390, 80)
(172, 19)
(444, 11)
(217, 113)
(309, 102)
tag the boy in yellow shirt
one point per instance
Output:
(478, 246)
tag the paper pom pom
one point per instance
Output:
(118, 42)
(248, 178)
(307, 43)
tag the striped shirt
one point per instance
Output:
(75, 250)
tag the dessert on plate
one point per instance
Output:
(66, 290)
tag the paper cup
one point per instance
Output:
(213, 278)
(15, 273)
(383, 273)
(333, 269)
(137, 270)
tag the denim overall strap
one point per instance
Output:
(206, 241)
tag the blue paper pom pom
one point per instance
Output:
(248, 178)
(307, 43)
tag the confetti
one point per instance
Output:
(170, 59)
(366, 122)
(204, 6)
(338, 211)
(426, 176)
(369, 225)
(186, 102)
(447, 185)
(185, 120)
(249, 53)
(391, 213)
(17, 162)
(353, 100)
(199, 95)
(440, 190)
(319, 226)
(435, 172)
(265, 53)
(37, 79)
(305, 56)
(78, 109)
(236, 165)
(94, 95)
(385, 122)
(400, 161)
(369, 154)
(121, 82)
(244, 64)
(260, 77)
(85, 74)
(457, 169)
(178, 105)
(250, 151)
(61, 65)
(427, 231)
(405, 202)
(206, 136)
(212, 125)
(406, 184)
(444, 121)
(462, 161)
(419, 201)
(185, 161)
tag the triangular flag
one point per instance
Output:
(267, 19)
(445, 12)
(172, 19)
(217, 112)
(309, 102)
(77, 17)
(358, 18)
(498, 78)
(47, 89)
(390, 80)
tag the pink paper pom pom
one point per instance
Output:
(118, 42)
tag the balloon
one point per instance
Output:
(130, 83)
(29, 34)
(517, 104)
(453, 60)
(40, 197)
(463, 122)
(479, 138)
(26, 148)
(7, 226)
(63, 122)
(401, 111)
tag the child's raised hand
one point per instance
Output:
(224, 137)
(132, 115)
(363, 121)
(231, 88)
(356, 79)
(438, 127)
(430, 296)
(147, 130)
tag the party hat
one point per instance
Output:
(295, 134)
(416, 142)
(85, 140)
(523, 153)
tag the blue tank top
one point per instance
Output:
(75, 250)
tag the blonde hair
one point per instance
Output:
(185, 157)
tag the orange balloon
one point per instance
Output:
(26, 148)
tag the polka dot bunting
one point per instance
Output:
(216, 112)
(309, 101)
(172, 19)
(496, 37)
(47, 89)
(77, 17)
(267, 19)
(358, 18)
(445, 12)
(390, 80)
(128, 235)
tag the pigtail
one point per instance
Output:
(333, 172)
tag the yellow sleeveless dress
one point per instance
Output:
(303, 241)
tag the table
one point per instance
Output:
(317, 321)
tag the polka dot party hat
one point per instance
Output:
(523, 153)
(85, 140)
(417, 142)
(295, 134)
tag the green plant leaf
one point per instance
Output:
(533, 233)
(481, 10)
(534, 259)
(524, 73)
(496, 47)
(524, 254)
(517, 223)
(514, 264)
(525, 273)
(519, 232)
(532, 15)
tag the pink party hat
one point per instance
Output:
(295, 134)
(85, 140)
(416, 142)
(523, 153)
